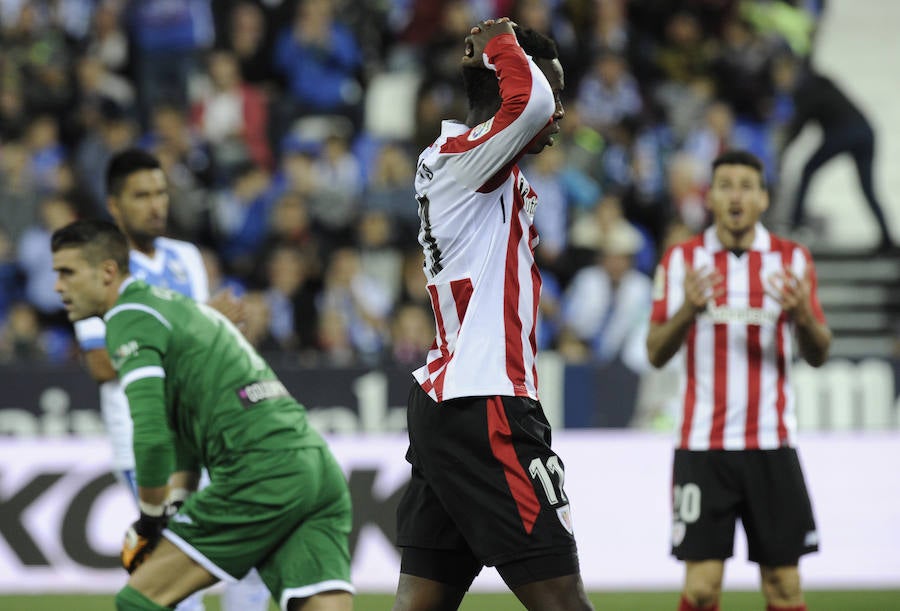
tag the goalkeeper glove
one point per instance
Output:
(141, 538)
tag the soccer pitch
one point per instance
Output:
(862, 600)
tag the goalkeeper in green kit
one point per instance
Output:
(201, 396)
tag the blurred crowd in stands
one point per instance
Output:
(289, 131)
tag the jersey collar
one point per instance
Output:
(762, 239)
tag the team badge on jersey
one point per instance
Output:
(121, 354)
(565, 518)
(480, 130)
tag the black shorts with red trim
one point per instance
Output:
(764, 488)
(485, 483)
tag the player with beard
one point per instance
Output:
(138, 200)
(728, 301)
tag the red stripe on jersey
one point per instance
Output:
(754, 353)
(500, 438)
(786, 250)
(442, 333)
(462, 292)
(660, 306)
(536, 283)
(690, 388)
(515, 361)
(720, 361)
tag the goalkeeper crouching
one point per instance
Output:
(201, 396)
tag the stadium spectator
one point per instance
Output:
(608, 93)
(233, 116)
(291, 288)
(732, 298)
(606, 303)
(319, 58)
(845, 129)
(35, 261)
(479, 377)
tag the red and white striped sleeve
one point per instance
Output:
(491, 148)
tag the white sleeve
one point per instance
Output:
(91, 333)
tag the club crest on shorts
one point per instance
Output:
(565, 518)
(480, 130)
(679, 529)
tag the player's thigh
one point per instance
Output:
(315, 557)
(778, 517)
(565, 592)
(168, 575)
(326, 601)
(705, 501)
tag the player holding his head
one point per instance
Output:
(201, 397)
(138, 200)
(486, 488)
(729, 301)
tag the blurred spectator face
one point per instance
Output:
(117, 133)
(534, 14)
(90, 74)
(42, 133)
(249, 185)
(457, 19)
(374, 230)
(106, 20)
(141, 208)
(301, 172)
(287, 270)
(412, 332)
(247, 28)
(610, 69)
(256, 317)
(393, 167)
(169, 125)
(290, 216)
(224, 70)
(737, 197)
(57, 213)
(343, 267)
(720, 120)
(683, 30)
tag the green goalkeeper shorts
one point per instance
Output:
(293, 528)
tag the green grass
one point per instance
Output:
(865, 600)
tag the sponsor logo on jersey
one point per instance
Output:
(480, 130)
(565, 518)
(745, 316)
(163, 293)
(122, 354)
(529, 197)
(251, 394)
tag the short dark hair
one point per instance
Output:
(98, 240)
(741, 157)
(482, 88)
(124, 164)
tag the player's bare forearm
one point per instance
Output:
(665, 339)
(814, 340)
(99, 366)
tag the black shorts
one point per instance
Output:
(485, 484)
(764, 488)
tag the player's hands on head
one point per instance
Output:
(478, 38)
(701, 286)
(141, 538)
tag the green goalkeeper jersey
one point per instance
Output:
(200, 394)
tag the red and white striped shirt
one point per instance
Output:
(736, 390)
(478, 235)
